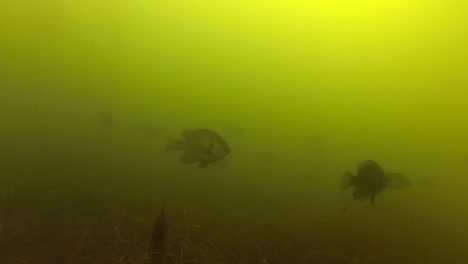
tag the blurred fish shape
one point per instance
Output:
(372, 180)
(199, 145)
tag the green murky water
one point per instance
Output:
(300, 90)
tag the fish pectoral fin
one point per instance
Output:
(397, 181)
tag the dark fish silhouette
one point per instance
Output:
(200, 145)
(157, 247)
(372, 180)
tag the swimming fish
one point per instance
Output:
(372, 180)
(200, 145)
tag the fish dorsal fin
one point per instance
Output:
(365, 164)
(187, 132)
(397, 180)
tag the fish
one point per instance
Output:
(202, 146)
(158, 244)
(371, 180)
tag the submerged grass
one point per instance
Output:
(72, 221)
(60, 234)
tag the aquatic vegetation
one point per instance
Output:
(116, 237)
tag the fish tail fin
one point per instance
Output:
(173, 145)
(346, 180)
(397, 181)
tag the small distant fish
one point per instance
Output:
(372, 180)
(106, 120)
(158, 247)
(200, 145)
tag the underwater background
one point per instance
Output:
(301, 91)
